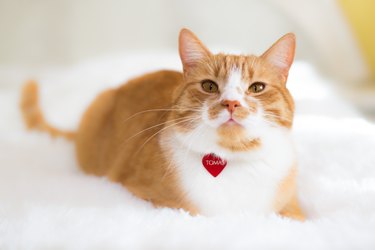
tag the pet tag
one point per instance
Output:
(214, 164)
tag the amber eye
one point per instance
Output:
(257, 87)
(209, 86)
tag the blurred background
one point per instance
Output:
(336, 36)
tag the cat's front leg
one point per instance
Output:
(286, 202)
(293, 210)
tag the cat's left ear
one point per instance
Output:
(281, 53)
(191, 49)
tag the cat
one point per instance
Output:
(153, 133)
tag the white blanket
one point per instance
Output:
(47, 202)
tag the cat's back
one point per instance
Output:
(149, 91)
(114, 122)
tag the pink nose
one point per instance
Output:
(231, 105)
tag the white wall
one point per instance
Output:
(45, 32)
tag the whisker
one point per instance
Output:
(277, 116)
(195, 97)
(187, 108)
(161, 130)
(251, 109)
(154, 126)
(156, 110)
(271, 123)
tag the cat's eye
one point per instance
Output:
(257, 87)
(209, 86)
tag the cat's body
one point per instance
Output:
(104, 147)
(152, 133)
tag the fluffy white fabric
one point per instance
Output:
(46, 201)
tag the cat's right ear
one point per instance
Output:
(191, 49)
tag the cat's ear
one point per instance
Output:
(281, 53)
(191, 49)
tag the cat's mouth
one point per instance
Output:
(232, 121)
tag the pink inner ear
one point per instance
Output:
(191, 49)
(282, 57)
(281, 53)
(191, 52)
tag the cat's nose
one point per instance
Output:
(231, 105)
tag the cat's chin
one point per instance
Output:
(231, 130)
(231, 124)
(234, 136)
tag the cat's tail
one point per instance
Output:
(33, 116)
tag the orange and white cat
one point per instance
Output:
(151, 133)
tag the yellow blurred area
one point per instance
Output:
(360, 14)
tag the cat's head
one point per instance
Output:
(230, 100)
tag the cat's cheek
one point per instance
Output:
(255, 125)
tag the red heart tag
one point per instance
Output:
(214, 164)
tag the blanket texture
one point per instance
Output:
(47, 202)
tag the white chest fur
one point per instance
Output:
(248, 183)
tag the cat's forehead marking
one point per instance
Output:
(234, 81)
(234, 87)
